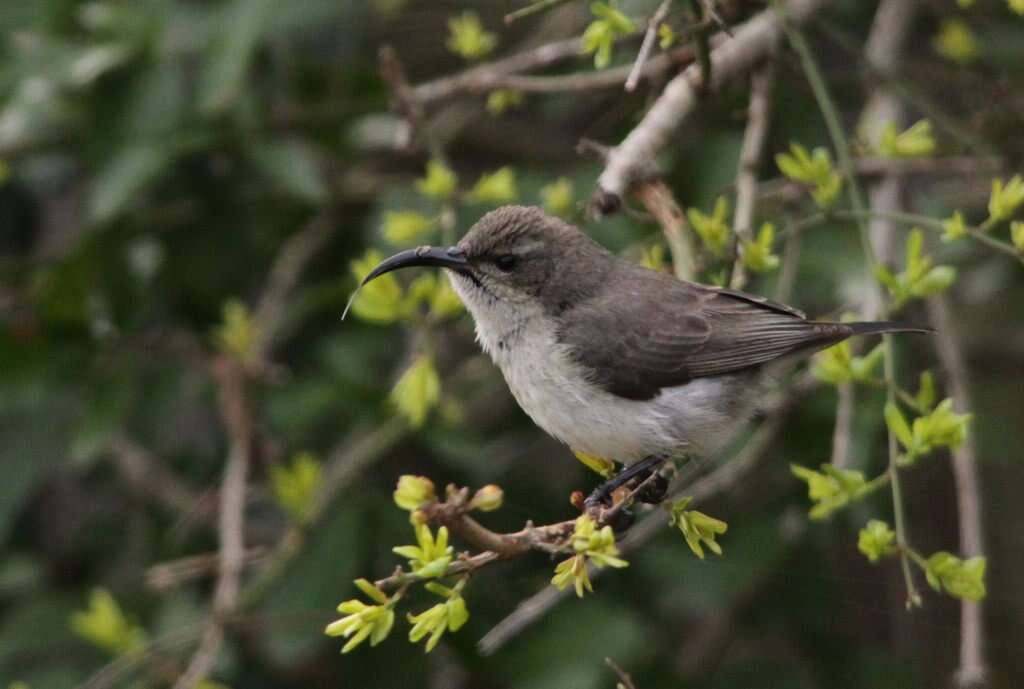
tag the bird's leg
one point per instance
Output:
(641, 469)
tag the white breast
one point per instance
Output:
(555, 392)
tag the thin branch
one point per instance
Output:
(973, 666)
(534, 8)
(236, 414)
(944, 165)
(484, 77)
(349, 458)
(832, 120)
(842, 432)
(164, 576)
(292, 259)
(405, 101)
(611, 78)
(759, 113)
(790, 264)
(719, 481)
(625, 680)
(648, 45)
(146, 474)
(659, 201)
(751, 42)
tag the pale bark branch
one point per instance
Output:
(759, 114)
(235, 411)
(648, 45)
(973, 668)
(659, 201)
(749, 44)
(296, 253)
(146, 474)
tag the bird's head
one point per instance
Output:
(515, 260)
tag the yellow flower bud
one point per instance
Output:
(487, 499)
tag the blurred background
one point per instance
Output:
(184, 186)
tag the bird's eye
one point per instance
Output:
(505, 262)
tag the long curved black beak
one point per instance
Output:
(446, 257)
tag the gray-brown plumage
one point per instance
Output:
(612, 358)
(640, 330)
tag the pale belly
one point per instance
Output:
(687, 419)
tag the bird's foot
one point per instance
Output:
(653, 485)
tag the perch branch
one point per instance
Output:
(718, 481)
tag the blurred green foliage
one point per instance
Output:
(156, 156)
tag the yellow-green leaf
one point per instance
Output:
(955, 41)
(417, 391)
(380, 301)
(439, 183)
(496, 187)
(406, 227)
(467, 37)
(557, 197)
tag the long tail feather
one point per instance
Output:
(874, 327)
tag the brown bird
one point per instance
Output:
(609, 357)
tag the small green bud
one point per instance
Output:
(757, 254)
(666, 36)
(413, 492)
(954, 227)
(814, 169)
(502, 99)
(294, 485)
(1005, 199)
(1017, 235)
(925, 396)
(467, 37)
(831, 488)
(915, 142)
(876, 540)
(956, 42)
(599, 37)
(713, 229)
(487, 499)
(237, 333)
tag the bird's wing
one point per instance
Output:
(659, 333)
